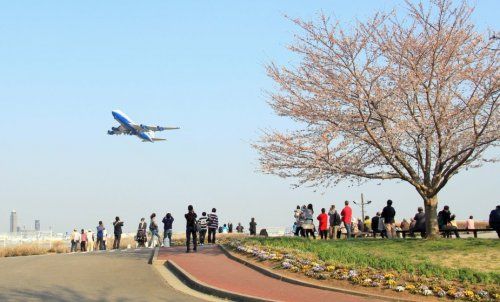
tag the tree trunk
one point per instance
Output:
(431, 222)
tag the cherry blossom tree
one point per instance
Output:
(412, 99)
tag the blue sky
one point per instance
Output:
(195, 64)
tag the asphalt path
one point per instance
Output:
(98, 276)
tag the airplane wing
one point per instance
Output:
(153, 128)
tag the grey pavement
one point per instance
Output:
(98, 276)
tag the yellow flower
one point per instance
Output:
(410, 287)
(389, 276)
(469, 293)
(330, 268)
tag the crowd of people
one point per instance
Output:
(198, 230)
(334, 224)
(331, 225)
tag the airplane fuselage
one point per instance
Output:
(128, 124)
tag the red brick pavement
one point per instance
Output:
(211, 266)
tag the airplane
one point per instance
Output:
(127, 126)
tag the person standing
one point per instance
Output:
(168, 220)
(83, 241)
(239, 228)
(308, 224)
(253, 227)
(155, 236)
(117, 232)
(213, 225)
(335, 222)
(141, 236)
(230, 227)
(191, 228)
(104, 238)
(203, 225)
(375, 222)
(494, 220)
(346, 218)
(388, 214)
(297, 214)
(100, 236)
(469, 224)
(323, 224)
(90, 240)
(419, 223)
(75, 238)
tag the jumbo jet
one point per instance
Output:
(127, 126)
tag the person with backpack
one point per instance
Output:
(213, 225)
(335, 221)
(168, 220)
(191, 228)
(117, 232)
(153, 227)
(100, 236)
(202, 227)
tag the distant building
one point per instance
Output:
(37, 225)
(13, 221)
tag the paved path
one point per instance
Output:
(101, 276)
(212, 267)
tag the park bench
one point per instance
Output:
(475, 231)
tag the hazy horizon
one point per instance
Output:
(199, 66)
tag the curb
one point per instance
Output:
(154, 255)
(196, 284)
(270, 273)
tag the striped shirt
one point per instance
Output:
(202, 223)
(213, 221)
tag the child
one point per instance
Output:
(202, 225)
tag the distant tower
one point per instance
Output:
(13, 221)
(37, 225)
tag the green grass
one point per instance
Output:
(466, 260)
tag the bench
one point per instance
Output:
(475, 231)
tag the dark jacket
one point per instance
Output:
(419, 222)
(118, 227)
(444, 217)
(167, 222)
(375, 220)
(495, 219)
(388, 214)
(334, 218)
(190, 219)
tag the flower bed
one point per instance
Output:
(313, 267)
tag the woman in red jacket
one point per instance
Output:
(323, 224)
